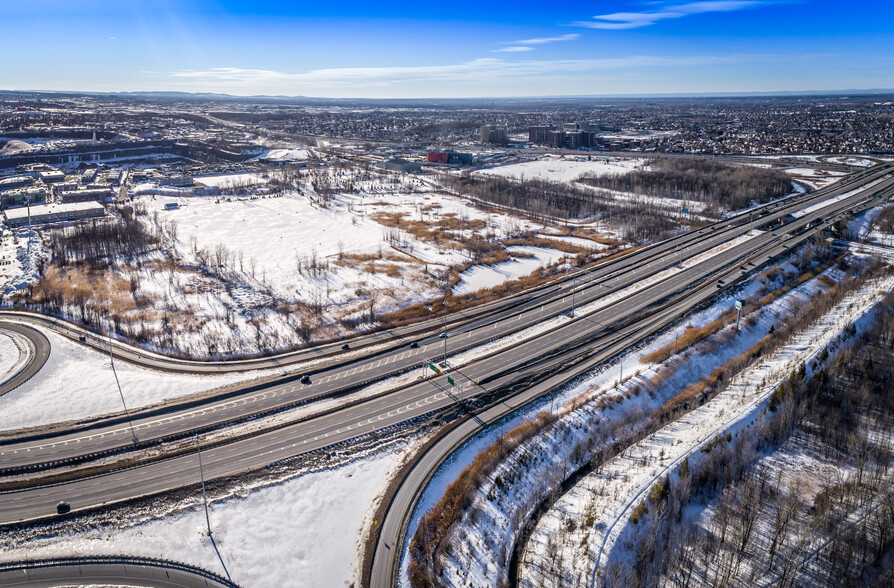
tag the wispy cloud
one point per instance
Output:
(514, 49)
(634, 20)
(525, 44)
(544, 40)
(479, 70)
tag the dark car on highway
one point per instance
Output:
(63, 508)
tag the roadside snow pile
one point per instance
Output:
(306, 531)
(564, 169)
(604, 500)
(150, 188)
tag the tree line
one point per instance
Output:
(727, 187)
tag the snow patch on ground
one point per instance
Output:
(480, 277)
(305, 531)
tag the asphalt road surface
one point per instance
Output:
(39, 353)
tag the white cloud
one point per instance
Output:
(633, 20)
(518, 49)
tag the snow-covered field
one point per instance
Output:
(608, 495)
(563, 169)
(480, 277)
(302, 532)
(271, 234)
(232, 180)
(78, 382)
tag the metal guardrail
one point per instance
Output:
(118, 560)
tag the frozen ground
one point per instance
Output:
(303, 532)
(78, 382)
(609, 495)
(563, 169)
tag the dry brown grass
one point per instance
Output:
(534, 241)
(690, 337)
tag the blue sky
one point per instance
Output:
(446, 49)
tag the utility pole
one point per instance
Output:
(202, 474)
(444, 334)
(133, 433)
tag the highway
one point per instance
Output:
(512, 375)
(171, 422)
(39, 352)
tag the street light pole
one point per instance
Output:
(202, 474)
(573, 288)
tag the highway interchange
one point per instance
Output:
(505, 379)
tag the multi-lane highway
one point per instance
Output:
(510, 372)
(163, 424)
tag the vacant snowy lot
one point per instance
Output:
(564, 169)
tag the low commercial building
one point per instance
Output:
(23, 196)
(177, 182)
(451, 157)
(51, 176)
(400, 165)
(87, 195)
(15, 182)
(49, 213)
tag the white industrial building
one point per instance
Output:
(50, 213)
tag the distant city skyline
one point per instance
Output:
(410, 50)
